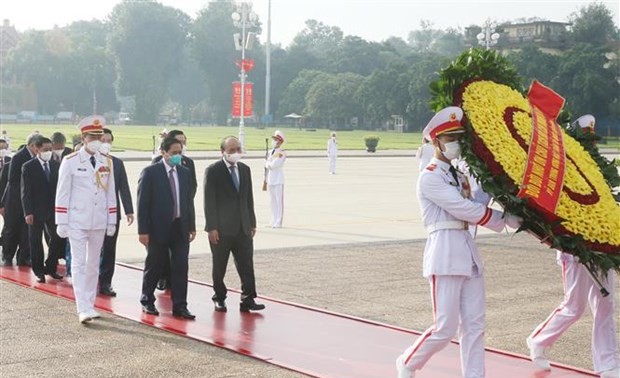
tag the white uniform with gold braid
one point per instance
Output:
(275, 180)
(85, 210)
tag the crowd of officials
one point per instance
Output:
(71, 199)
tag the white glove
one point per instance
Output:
(63, 230)
(110, 230)
(513, 221)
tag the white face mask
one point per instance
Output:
(58, 153)
(105, 148)
(452, 150)
(233, 158)
(274, 143)
(3, 152)
(46, 155)
(94, 145)
(184, 150)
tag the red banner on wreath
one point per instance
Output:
(546, 162)
(236, 100)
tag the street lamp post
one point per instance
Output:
(488, 37)
(243, 18)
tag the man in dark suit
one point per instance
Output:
(231, 223)
(164, 281)
(5, 159)
(38, 193)
(166, 222)
(16, 233)
(108, 254)
(59, 146)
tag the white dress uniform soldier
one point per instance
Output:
(579, 291)
(332, 153)
(86, 212)
(452, 263)
(275, 178)
(425, 153)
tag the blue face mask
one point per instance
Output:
(175, 160)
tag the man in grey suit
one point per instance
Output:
(231, 223)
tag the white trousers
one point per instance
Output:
(85, 255)
(332, 163)
(276, 192)
(458, 305)
(579, 290)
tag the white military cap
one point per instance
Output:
(92, 125)
(445, 121)
(586, 122)
(279, 136)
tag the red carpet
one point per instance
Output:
(293, 336)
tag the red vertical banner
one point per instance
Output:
(544, 174)
(247, 109)
(236, 100)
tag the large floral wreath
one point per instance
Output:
(498, 120)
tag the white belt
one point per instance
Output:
(447, 225)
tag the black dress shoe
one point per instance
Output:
(40, 278)
(162, 284)
(220, 306)
(55, 275)
(150, 309)
(247, 306)
(107, 291)
(183, 313)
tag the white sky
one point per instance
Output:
(370, 19)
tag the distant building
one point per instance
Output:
(8, 40)
(548, 35)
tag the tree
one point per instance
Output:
(594, 24)
(587, 82)
(330, 100)
(531, 63)
(421, 74)
(146, 42)
(293, 99)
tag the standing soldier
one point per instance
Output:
(86, 212)
(275, 178)
(332, 153)
(452, 263)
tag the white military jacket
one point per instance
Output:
(274, 164)
(86, 196)
(332, 147)
(446, 210)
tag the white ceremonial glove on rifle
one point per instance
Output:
(63, 231)
(513, 221)
(110, 230)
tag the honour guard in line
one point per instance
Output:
(332, 153)
(275, 179)
(579, 291)
(86, 212)
(452, 262)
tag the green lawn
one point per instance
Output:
(202, 138)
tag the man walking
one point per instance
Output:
(166, 226)
(86, 212)
(231, 223)
(38, 193)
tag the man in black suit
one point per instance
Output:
(166, 222)
(59, 146)
(164, 281)
(108, 253)
(5, 159)
(38, 193)
(16, 233)
(231, 223)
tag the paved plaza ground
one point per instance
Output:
(351, 243)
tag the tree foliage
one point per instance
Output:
(146, 41)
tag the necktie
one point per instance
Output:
(453, 171)
(46, 169)
(234, 177)
(173, 188)
(92, 160)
